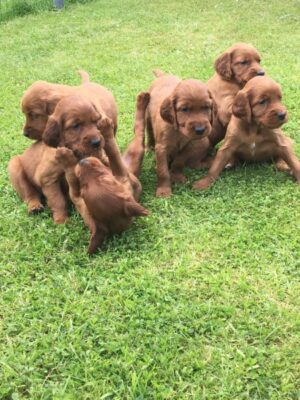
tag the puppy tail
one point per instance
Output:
(85, 78)
(134, 155)
(158, 73)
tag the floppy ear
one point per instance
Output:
(51, 135)
(134, 209)
(223, 66)
(167, 111)
(241, 107)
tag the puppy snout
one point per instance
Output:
(199, 130)
(281, 115)
(261, 72)
(84, 161)
(95, 142)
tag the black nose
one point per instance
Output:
(95, 142)
(84, 161)
(281, 115)
(26, 133)
(199, 130)
(260, 73)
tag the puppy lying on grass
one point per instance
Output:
(179, 119)
(110, 193)
(254, 133)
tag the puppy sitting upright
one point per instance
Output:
(180, 113)
(254, 133)
(234, 68)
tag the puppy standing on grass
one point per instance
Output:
(254, 133)
(180, 113)
(37, 172)
(110, 194)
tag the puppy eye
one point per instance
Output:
(185, 109)
(206, 108)
(245, 62)
(75, 127)
(33, 115)
(262, 102)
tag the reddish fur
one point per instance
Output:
(176, 108)
(254, 133)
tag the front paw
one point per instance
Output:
(203, 183)
(60, 219)
(65, 157)
(106, 127)
(178, 178)
(163, 191)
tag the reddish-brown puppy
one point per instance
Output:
(254, 133)
(37, 171)
(39, 102)
(110, 194)
(234, 68)
(180, 113)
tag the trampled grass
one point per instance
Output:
(200, 300)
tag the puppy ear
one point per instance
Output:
(223, 66)
(51, 135)
(134, 209)
(167, 111)
(241, 107)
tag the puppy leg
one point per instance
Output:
(96, 240)
(55, 200)
(134, 154)
(150, 135)
(28, 193)
(288, 155)
(177, 166)
(162, 172)
(221, 159)
(217, 134)
(116, 163)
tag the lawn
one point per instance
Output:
(200, 300)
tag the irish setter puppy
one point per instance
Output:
(37, 171)
(234, 68)
(254, 133)
(109, 193)
(179, 115)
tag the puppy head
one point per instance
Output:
(239, 64)
(37, 104)
(89, 167)
(260, 102)
(190, 109)
(74, 124)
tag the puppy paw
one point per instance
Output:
(163, 192)
(35, 208)
(60, 219)
(106, 127)
(178, 178)
(65, 157)
(202, 183)
(142, 100)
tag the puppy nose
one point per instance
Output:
(95, 142)
(199, 130)
(260, 73)
(281, 115)
(26, 133)
(84, 161)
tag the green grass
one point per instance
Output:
(201, 299)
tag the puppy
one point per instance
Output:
(234, 68)
(39, 102)
(37, 171)
(180, 113)
(254, 133)
(110, 194)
